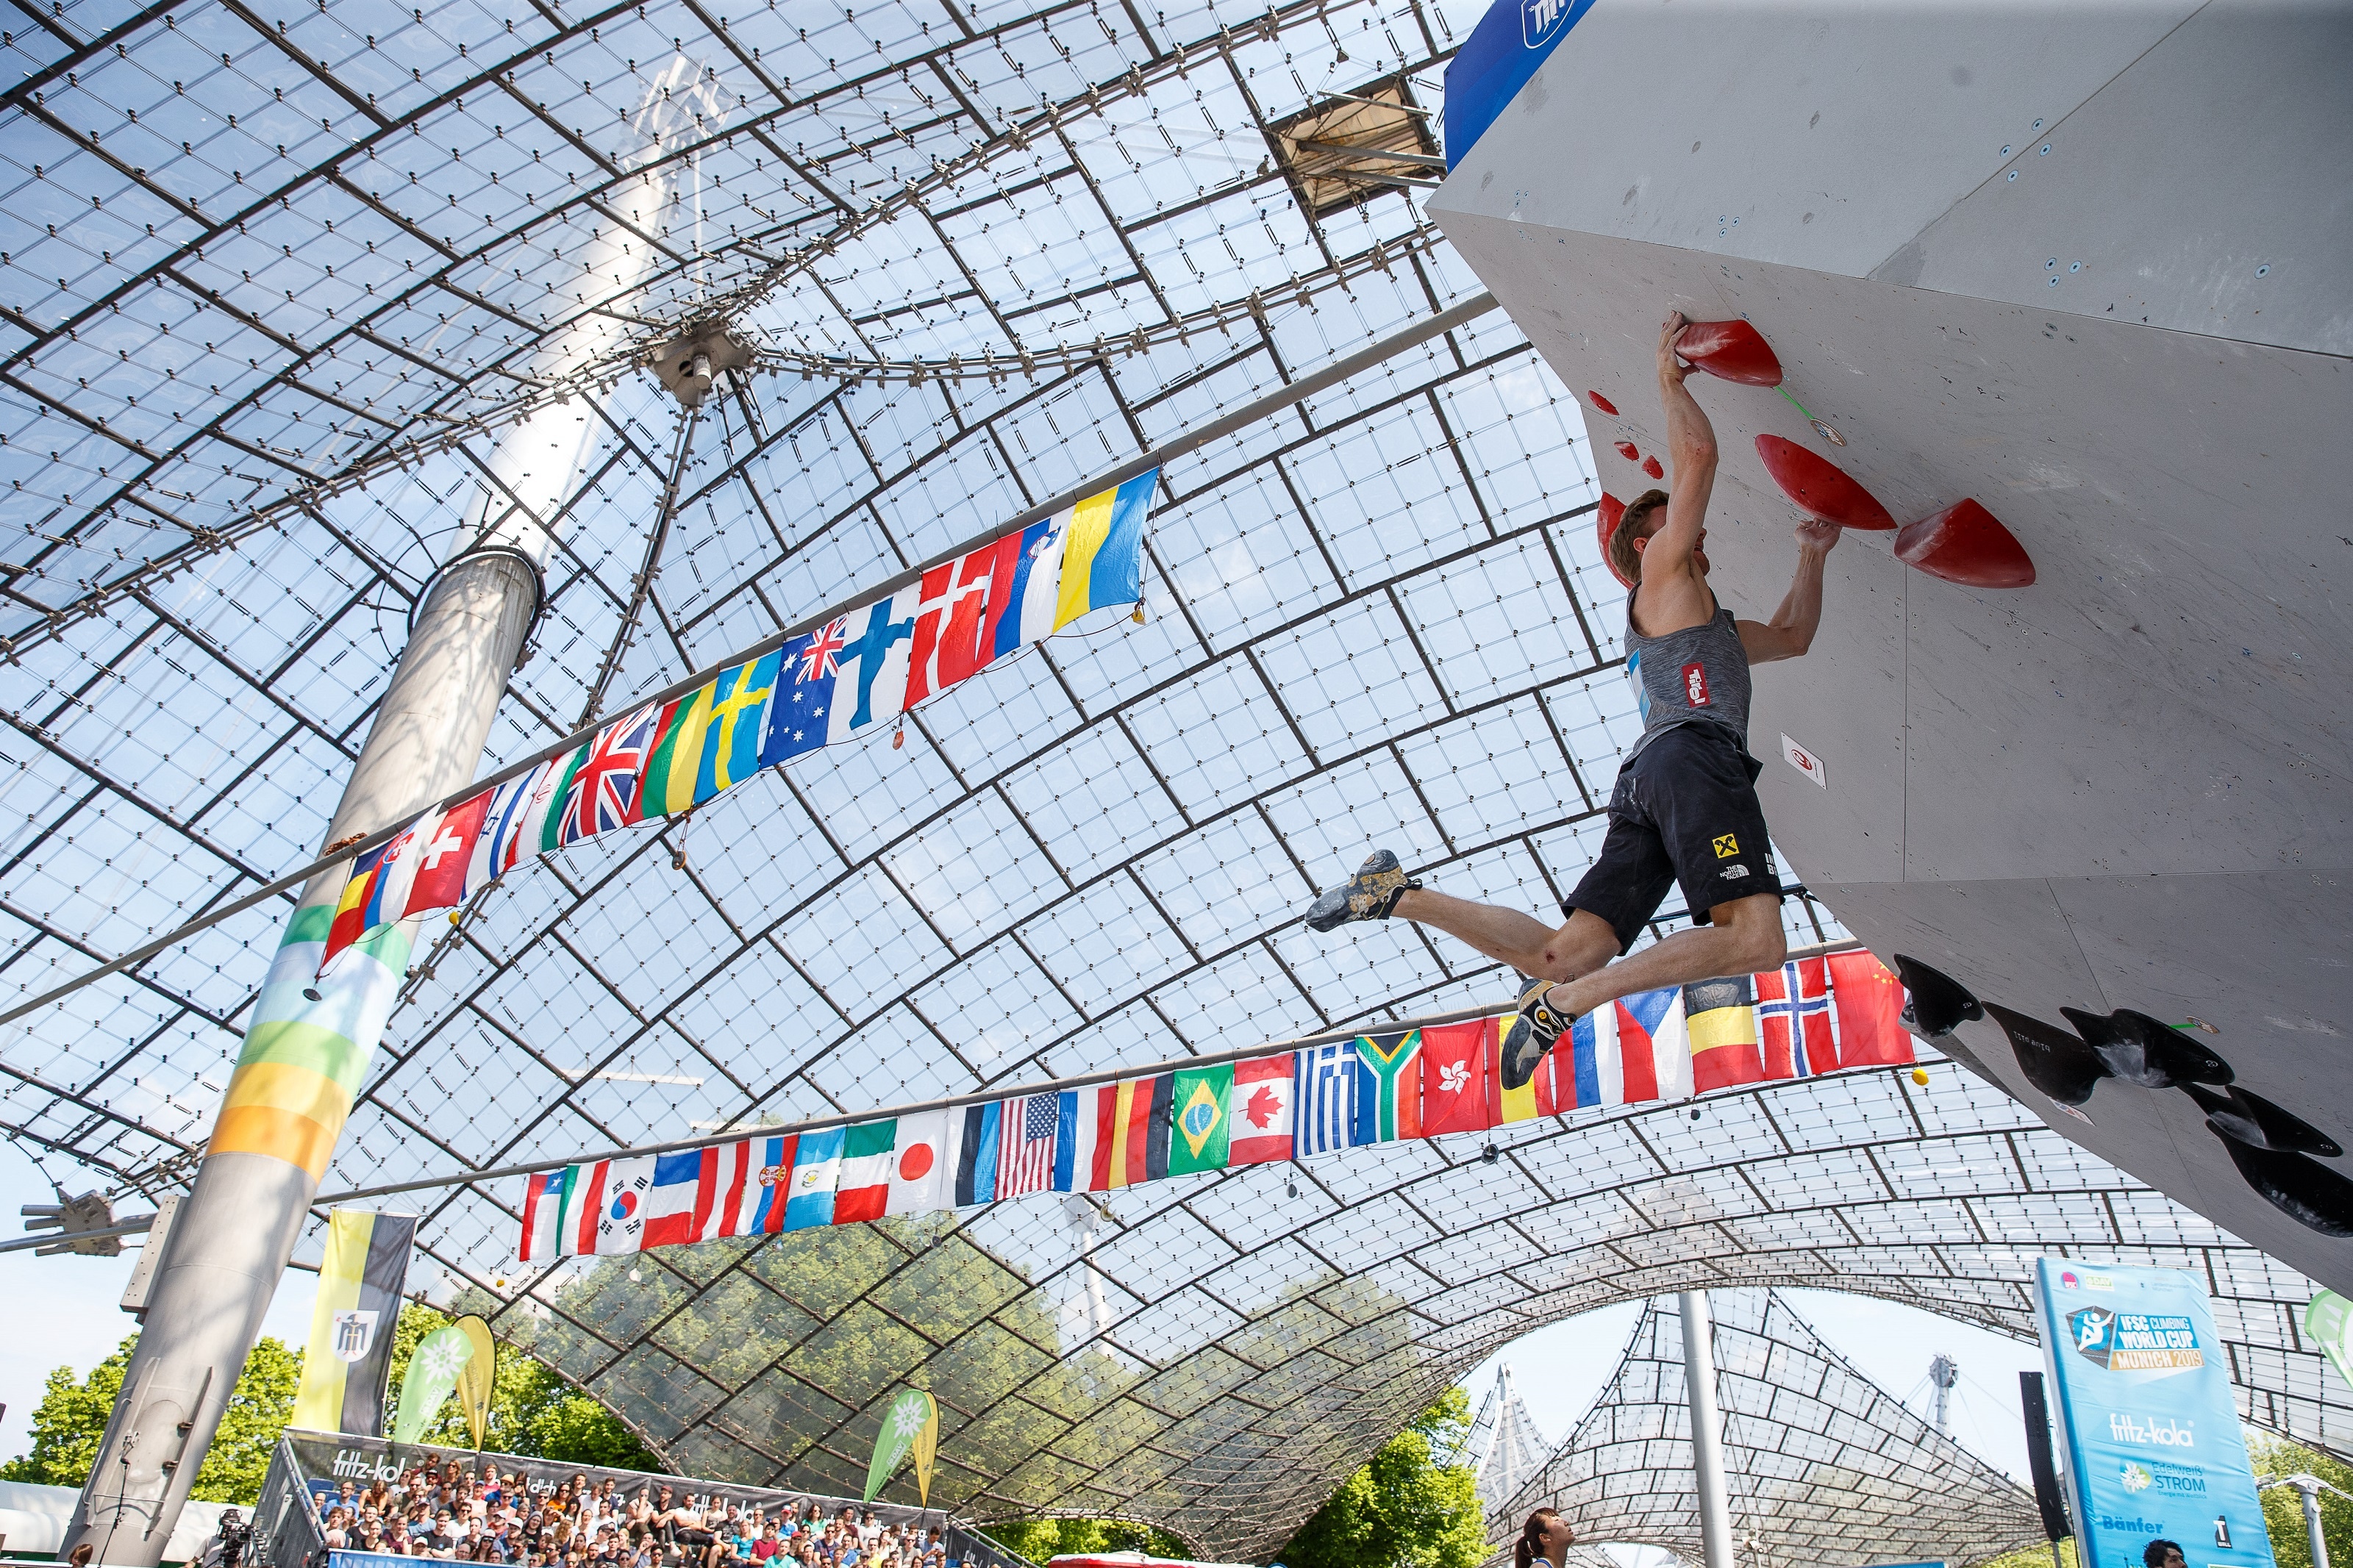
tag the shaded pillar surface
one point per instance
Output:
(301, 1063)
(1707, 1429)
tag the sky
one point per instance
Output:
(67, 1310)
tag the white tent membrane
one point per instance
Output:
(1821, 1465)
(1378, 617)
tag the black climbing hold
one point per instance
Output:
(2140, 1051)
(1937, 1004)
(2054, 1061)
(310, 993)
(2255, 1122)
(2304, 1189)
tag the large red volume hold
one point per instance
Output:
(1627, 450)
(1651, 466)
(1819, 488)
(1966, 544)
(1733, 350)
(1605, 525)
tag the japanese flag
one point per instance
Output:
(923, 1162)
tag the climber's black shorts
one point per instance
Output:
(1685, 811)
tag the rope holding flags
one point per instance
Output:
(1814, 1015)
(839, 683)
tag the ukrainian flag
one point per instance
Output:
(1103, 550)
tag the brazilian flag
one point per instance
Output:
(1199, 1128)
(349, 1354)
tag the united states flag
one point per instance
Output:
(1025, 1145)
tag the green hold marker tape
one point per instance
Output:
(1821, 429)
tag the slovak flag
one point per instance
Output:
(1260, 1106)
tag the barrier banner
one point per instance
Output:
(2148, 1429)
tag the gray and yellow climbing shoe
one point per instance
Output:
(1369, 895)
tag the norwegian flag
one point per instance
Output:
(1025, 1143)
(605, 791)
(1793, 1020)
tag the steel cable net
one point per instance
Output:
(1821, 1465)
(979, 257)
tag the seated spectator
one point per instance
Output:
(767, 1546)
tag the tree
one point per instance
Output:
(72, 1415)
(2275, 1458)
(1402, 1510)
(533, 1412)
(1039, 1539)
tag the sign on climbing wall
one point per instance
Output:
(2148, 1429)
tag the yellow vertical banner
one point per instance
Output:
(926, 1448)
(478, 1377)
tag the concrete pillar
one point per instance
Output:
(1707, 1429)
(301, 1063)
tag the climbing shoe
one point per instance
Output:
(1369, 895)
(1534, 1031)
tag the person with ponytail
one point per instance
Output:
(1545, 1539)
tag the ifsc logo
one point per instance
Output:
(1542, 21)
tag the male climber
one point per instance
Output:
(1685, 809)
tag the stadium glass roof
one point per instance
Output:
(1821, 1466)
(277, 280)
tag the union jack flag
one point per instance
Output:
(605, 791)
(821, 659)
(1025, 1145)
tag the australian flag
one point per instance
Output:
(804, 701)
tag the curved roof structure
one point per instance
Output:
(977, 254)
(1820, 1464)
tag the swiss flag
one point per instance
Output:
(1869, 1005)
(1261, 1106)
(442, 857)
(1454, 1097)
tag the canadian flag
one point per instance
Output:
(1260, 1104)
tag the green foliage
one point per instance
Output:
(2034, 1557)
(72, 1415)
(1401, 1509)
(533, 1411)
(2276, 1458)
(1039, 1539)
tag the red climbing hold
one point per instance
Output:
(1602, 403)
(1627, 450)
(1966, 544)
(1605, 525)
(1733, 350)
(1819, 488)
(1651, 466)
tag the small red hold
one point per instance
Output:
(1602, 403)
(1606, 520)
(1651, 466)
(1966, 544)
(1733, 350)
(1627, 450)
(1819, 488)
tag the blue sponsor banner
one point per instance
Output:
(2148, 1431)
(1503, 52)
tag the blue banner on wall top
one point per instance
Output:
(1503, 52)
(2148, 1429)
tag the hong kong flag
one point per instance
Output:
(442, 856)
(1454, 1091)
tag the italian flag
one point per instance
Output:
(864, 1191)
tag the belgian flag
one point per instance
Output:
(350, 1355)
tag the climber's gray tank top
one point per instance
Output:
(1695, 676)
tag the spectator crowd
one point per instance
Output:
(484, 1516)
